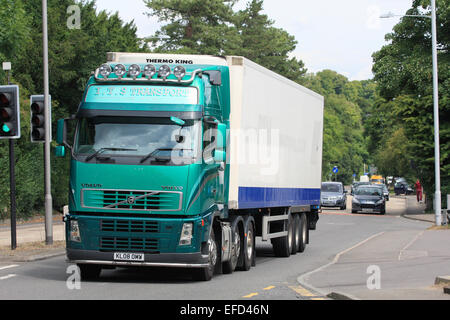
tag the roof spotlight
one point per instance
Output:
(164, 71)
(149, 70)
(105, 70)
(134, 70)
(179, 72)
(120, 70)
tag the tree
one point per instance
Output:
(73, 55)
(266, 45)
(195, 26)
(403, 72)
(343, 142)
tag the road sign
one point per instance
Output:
(335, 169)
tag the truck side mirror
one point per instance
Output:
(61, 137)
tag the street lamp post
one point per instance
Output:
(437, 164)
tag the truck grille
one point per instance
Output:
(131, 200)
(128, 226)
(129, 244)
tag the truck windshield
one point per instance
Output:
(132, 137)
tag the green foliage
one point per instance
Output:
(212, 27)
(194, 26)
(73, 55)
(344, 144)
(403, 71)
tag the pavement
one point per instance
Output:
(30, 239)
(390, 265)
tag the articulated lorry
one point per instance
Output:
(183, 160)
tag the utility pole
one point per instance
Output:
(47, 163)
(437, 162)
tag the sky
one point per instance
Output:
(340, 35)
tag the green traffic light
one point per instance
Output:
(5, 128)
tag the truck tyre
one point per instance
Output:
(296, 234)
(89, 271)
(282, 247)
(206, 274)
(230, 266)
(248, 253)
(303, 232)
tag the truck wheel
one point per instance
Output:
(230, 266)
(206, 274)
(248, 246)
(89, 271)
(296, 234)
(303, 232)
(282, 247)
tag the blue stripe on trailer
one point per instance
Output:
(255, 197)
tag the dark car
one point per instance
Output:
(402, 187)
(357, 184)
(333, 195)
(369, 199)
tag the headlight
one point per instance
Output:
(134, 70)
(74, 231)
(354, 200)
(164, 71)
(380, 201)
(149, 70)
(186, 234)
(179, 72)
(105, 70)
(120, 70)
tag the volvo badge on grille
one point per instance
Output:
(131, 199)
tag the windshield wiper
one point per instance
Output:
(96, 153)
(154, 152)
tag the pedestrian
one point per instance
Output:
(418, 187)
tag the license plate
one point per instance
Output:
(367, 210)
(128, 256)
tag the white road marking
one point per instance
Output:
(8, 267)
(8, 276)
(401, 253)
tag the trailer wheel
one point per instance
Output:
(206, 274)
(303, 232)
(296, 234)
(230, 266)
(89, 271)
(282, 247)
(248, 246)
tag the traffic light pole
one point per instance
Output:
(12, 193)
(12, 187)
(47, 164)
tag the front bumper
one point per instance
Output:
(369, 207)
(181, 260)
(332, 203)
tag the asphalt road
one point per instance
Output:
(272, 278)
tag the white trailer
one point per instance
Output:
(275, 154)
